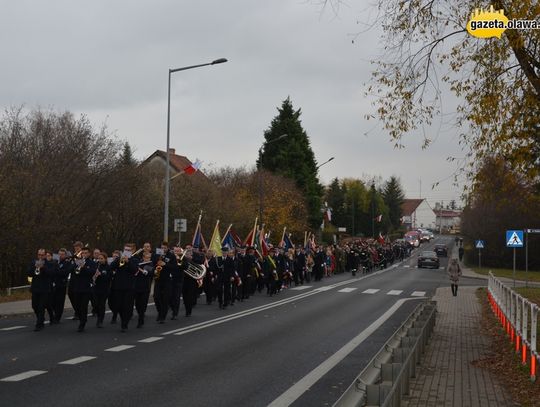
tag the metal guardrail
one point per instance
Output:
(21, 287)
(513, 311)
(386, 378)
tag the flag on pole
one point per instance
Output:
(198, 239)
(215, 242)
(250, 239)
(380, 239)
(327, 213)
(282, 241)
(263, 244)
(193, 167)
(231, 238)
(288, 244)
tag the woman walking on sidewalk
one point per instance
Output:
(454, 272)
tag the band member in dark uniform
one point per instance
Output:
(101, 282)
(124, 270)
(215, 267)
(177, 275)
(60, 281)
(299, 266)
(77, 249)
(163, 281)
(143, 281)
(320, 262)
(229, 273)
(244, 271)
(82, 285)
(190, 286)
(210, 278)
(112, 296)
(41, 274)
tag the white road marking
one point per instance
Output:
(441, 268)
(347, 289)
(325, 288)
(250, 311)
(23, 376)
(394, 292)
(301, 287)
(151, 339)
(11, 328)
(76, 361)
(407, 266)
(294, 392)
(371, 291)
(418, 294)
(119, 348)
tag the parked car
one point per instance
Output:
(428, 259)
(441, 250)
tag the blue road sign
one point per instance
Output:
(479, 244)
(514, 238)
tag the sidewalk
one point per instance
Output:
(447, 376)
(22, 307)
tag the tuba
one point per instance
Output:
(194, 270)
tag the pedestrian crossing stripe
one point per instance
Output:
(347, 290)
(394, 292)
(371, 291)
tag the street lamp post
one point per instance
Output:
(259, 168)
(326, 162)
(167, 152)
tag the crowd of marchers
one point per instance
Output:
(124, 281)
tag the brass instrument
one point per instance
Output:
(122, 261)
(157, 272)
(38, 265)
(80, 263)
(194, 270)
(138, 251)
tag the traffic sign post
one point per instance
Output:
(480, 245)
(527, 231)
(180, 225)
(514, 239)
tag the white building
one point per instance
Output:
(447, 220)
(416, 213)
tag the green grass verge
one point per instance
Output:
(508, 273)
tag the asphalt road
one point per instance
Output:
(282, 349)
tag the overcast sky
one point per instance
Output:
(109, 60)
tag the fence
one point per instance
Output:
(10, 290)
(519, 318)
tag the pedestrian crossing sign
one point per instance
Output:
(514, 238)
(479, 244)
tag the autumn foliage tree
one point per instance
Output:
(500, 200)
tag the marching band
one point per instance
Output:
(126, 280)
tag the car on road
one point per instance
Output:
(428, 259)
(413, 238)
(441, 250)
(425, 236)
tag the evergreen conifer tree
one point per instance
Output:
(293, 157)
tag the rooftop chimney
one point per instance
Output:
(172, 151)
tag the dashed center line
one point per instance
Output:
(23, 376)
(347, 289)
(76, 361)
(394, 292)
(151, 339)
(300, 288)
(119, 348)
(11, 328)
(418, 294)
(371, 291)
(325, 288)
